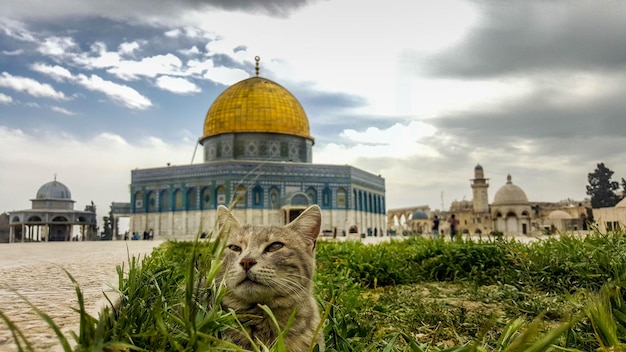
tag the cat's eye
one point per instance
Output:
(234, 248)
(274, 247)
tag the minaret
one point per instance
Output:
(479, 188)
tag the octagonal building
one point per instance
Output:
(257, 161)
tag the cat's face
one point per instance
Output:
(262, 263)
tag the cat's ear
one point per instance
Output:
(308, 222)
(226, 221)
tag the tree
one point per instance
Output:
(601, 188)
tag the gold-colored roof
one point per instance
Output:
(256, 105)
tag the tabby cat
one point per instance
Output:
(273, 266)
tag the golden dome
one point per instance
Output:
(256, 105)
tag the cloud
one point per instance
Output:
(148, 8)
(15, 52)
(62, 110)
(148, 67)
(193, 51)
(108, 157)
(57, 46)
(128, 48)
(177, 85)
(522, 37)
(15, 29)
(5, 99)
(56, 72)
(122, 94)
(99, 57)
(30, 86)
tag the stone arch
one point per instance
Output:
(274, 197)
(220, 195)
(138, 203)
(327, 198)
(342, 198)
(151, 206)
(311, 192)
(257, 196)
(240, 196)
(164, 200)
(205, 198)
(178, 199)
(192, 198)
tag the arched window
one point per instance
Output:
(152, 201)
(312, 194)
(220, 196)
(341, 198)
(178, 199)
(192, 198)
(257, 196)
(138, 205)
(164, 201)
(327, 198)
(205, 198)
(274, 198)
(240, 196)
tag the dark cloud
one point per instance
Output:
(223, 60)
(526, 36)
(142, 10)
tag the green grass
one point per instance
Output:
(563, 294)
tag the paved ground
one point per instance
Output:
(35, 271)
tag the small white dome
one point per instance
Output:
(559, 214)
(510, 194)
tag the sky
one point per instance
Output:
(419, 92)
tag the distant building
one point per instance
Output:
(52, 218)
(4, 228)
(258, 161)
(611, 218)
(510, 213)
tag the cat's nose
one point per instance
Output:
(247, 263)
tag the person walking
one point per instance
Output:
(454, 224)
(435, 227)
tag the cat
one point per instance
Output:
(272, 266)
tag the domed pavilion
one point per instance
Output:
(510, 210)
(51, 218)
(257, 161)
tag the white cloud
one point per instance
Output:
(57, 46)
(177, 85)
(15, 52)
(401, 141)
(124, 95)
(127, 48)
(30, 86)
(223, 75)
(56, 72)
(108, 157)
(190, 52)
(5, 99)
(101, 58)
(15, 29)
(153, 66)
(62, 110)
(350, 46)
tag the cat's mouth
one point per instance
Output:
(249, 280)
